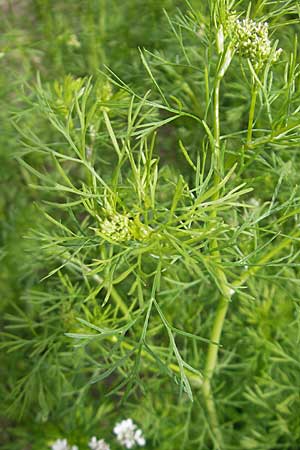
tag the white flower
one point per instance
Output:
(62, 444)
(139, 438)
(128, 434)
(254, 202)
(95, 444)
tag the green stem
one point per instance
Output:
(212, 355)
(216, 149)
(251, 114)
(209, 370)
(215, 337)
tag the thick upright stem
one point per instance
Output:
(215, 337)
(211, 363)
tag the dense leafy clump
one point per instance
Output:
(150, 225)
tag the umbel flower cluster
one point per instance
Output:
(127, 434)
(100, 444)
(123, 227)
(117, 227)
(62, 444)
(250, 39)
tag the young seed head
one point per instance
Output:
(123, 227)
(116, 227)
(250, 39)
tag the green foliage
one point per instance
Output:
(149, 232)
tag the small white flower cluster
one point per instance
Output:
(62, 444)
(96, 444)
(251, 40)
(128, 434)
(254, 202)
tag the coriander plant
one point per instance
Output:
(161, 269)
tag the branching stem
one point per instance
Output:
(226, 292)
